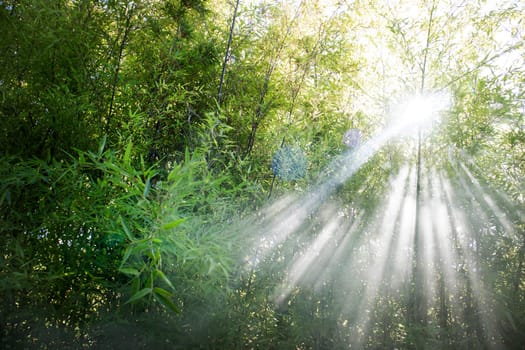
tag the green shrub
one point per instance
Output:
(101, 232)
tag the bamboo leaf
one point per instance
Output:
(175, 173)
(102, 146)
(162, 291)
(129, 271)
(135, 285)
(127, 154)
(173, 224)
(126, 228)
(187, 156)
(164, 278)
(127, 254)
(147, 188)
(163, 297)
(139, 295)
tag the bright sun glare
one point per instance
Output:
(419, 112)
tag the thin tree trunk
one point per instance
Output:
(227, 53)
(114, 83)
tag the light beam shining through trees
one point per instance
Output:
(369, 259)
(287, 214)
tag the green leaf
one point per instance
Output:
(212, 266)
(187, 157)
(127, 154)
(173, 224)
(147, 188)
(135, 285)
(139, 295)
(102, 146)
(175, 174)
(162, 291)
(129, 271)
(127, 254)
(126, 228)
(163, 297)
(164, 278)
(7, 197)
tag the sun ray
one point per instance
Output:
(281, 223)
(337, 260)
(476, 300)
(367, 260)
(428, 203)
(443, 224)
(488, 203)
(281, 220)
(303, 263)
(378, 257)
(286, 215)
(515, 213)
(404, 252)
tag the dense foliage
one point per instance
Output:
(208, 174)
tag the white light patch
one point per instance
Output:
(426, 227)
(419, 113)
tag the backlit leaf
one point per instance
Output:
(173, 224)
(129, 271)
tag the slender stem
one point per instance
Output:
(120, 54)
(227, 53)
